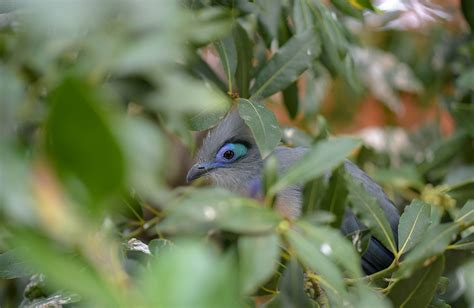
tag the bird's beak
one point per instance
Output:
(197, 171)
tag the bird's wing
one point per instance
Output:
(376, 257)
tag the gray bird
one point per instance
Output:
(229, 157)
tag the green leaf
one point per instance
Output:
(317, 82)
(207, 209)
(335, 246)
(466, 214)
(464, 113)
(316, 258)
(60, 267)
(413, 223)
(466, 243)
(207, 119)
(433, 243)
(258, 260)
(291, 289)
(145, 150)
(319, 159)
(370, 212)
(158, 246)
(210, 24)
(468, 271)
(335, 198)
(418, 290)
(228, 56)
(462, 191)
(345, 7)
(466, 80)
(286, 65)
(366, 4)
(13, 267)
(290, 99)
(468, 11)
(269, 12)
(201, 69)
(192, 275)
(80, 141)
(313, 194)
(302, 18)
(262, 123)
(244, 59)
(365, 296)
(441, 152)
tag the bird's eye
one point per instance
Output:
(231, 152)
(228, 154)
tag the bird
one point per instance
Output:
(229, 157)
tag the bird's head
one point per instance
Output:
(228, 155)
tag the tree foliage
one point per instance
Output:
(95, 95)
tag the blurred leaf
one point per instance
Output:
(206, 209)
(466, 243)
(335, 197)
(258, 260)
(202, 69)
(302, 18)
(192, 275)
(418, 290)
(466, 214)
(60, 266)
(371, 213)
(413, 223)
(158, 246)
(468, 271)
(432, 243)
(294, 137)
(462, 191)
(318, 259)
(290, 99)
(345, 7)
(317, 83)
(464, 114)
(244, 59)
(404, 176)
(362, 4)
(202, 103)
(228, 58)
(466, 80)
(467, 8)
(291, 289)
(210, 24)
(360, 240)
(145, 151)
(286, 65)
(268, 12)
(334, 44)
(12, 96)
(385, 75)
(80, 141)
(368, 297)
(313, 194)
(12, 267)
(319, 159)
(441, 152)
(262, 123)
(334, 246)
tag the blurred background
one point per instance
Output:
(141, 82)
